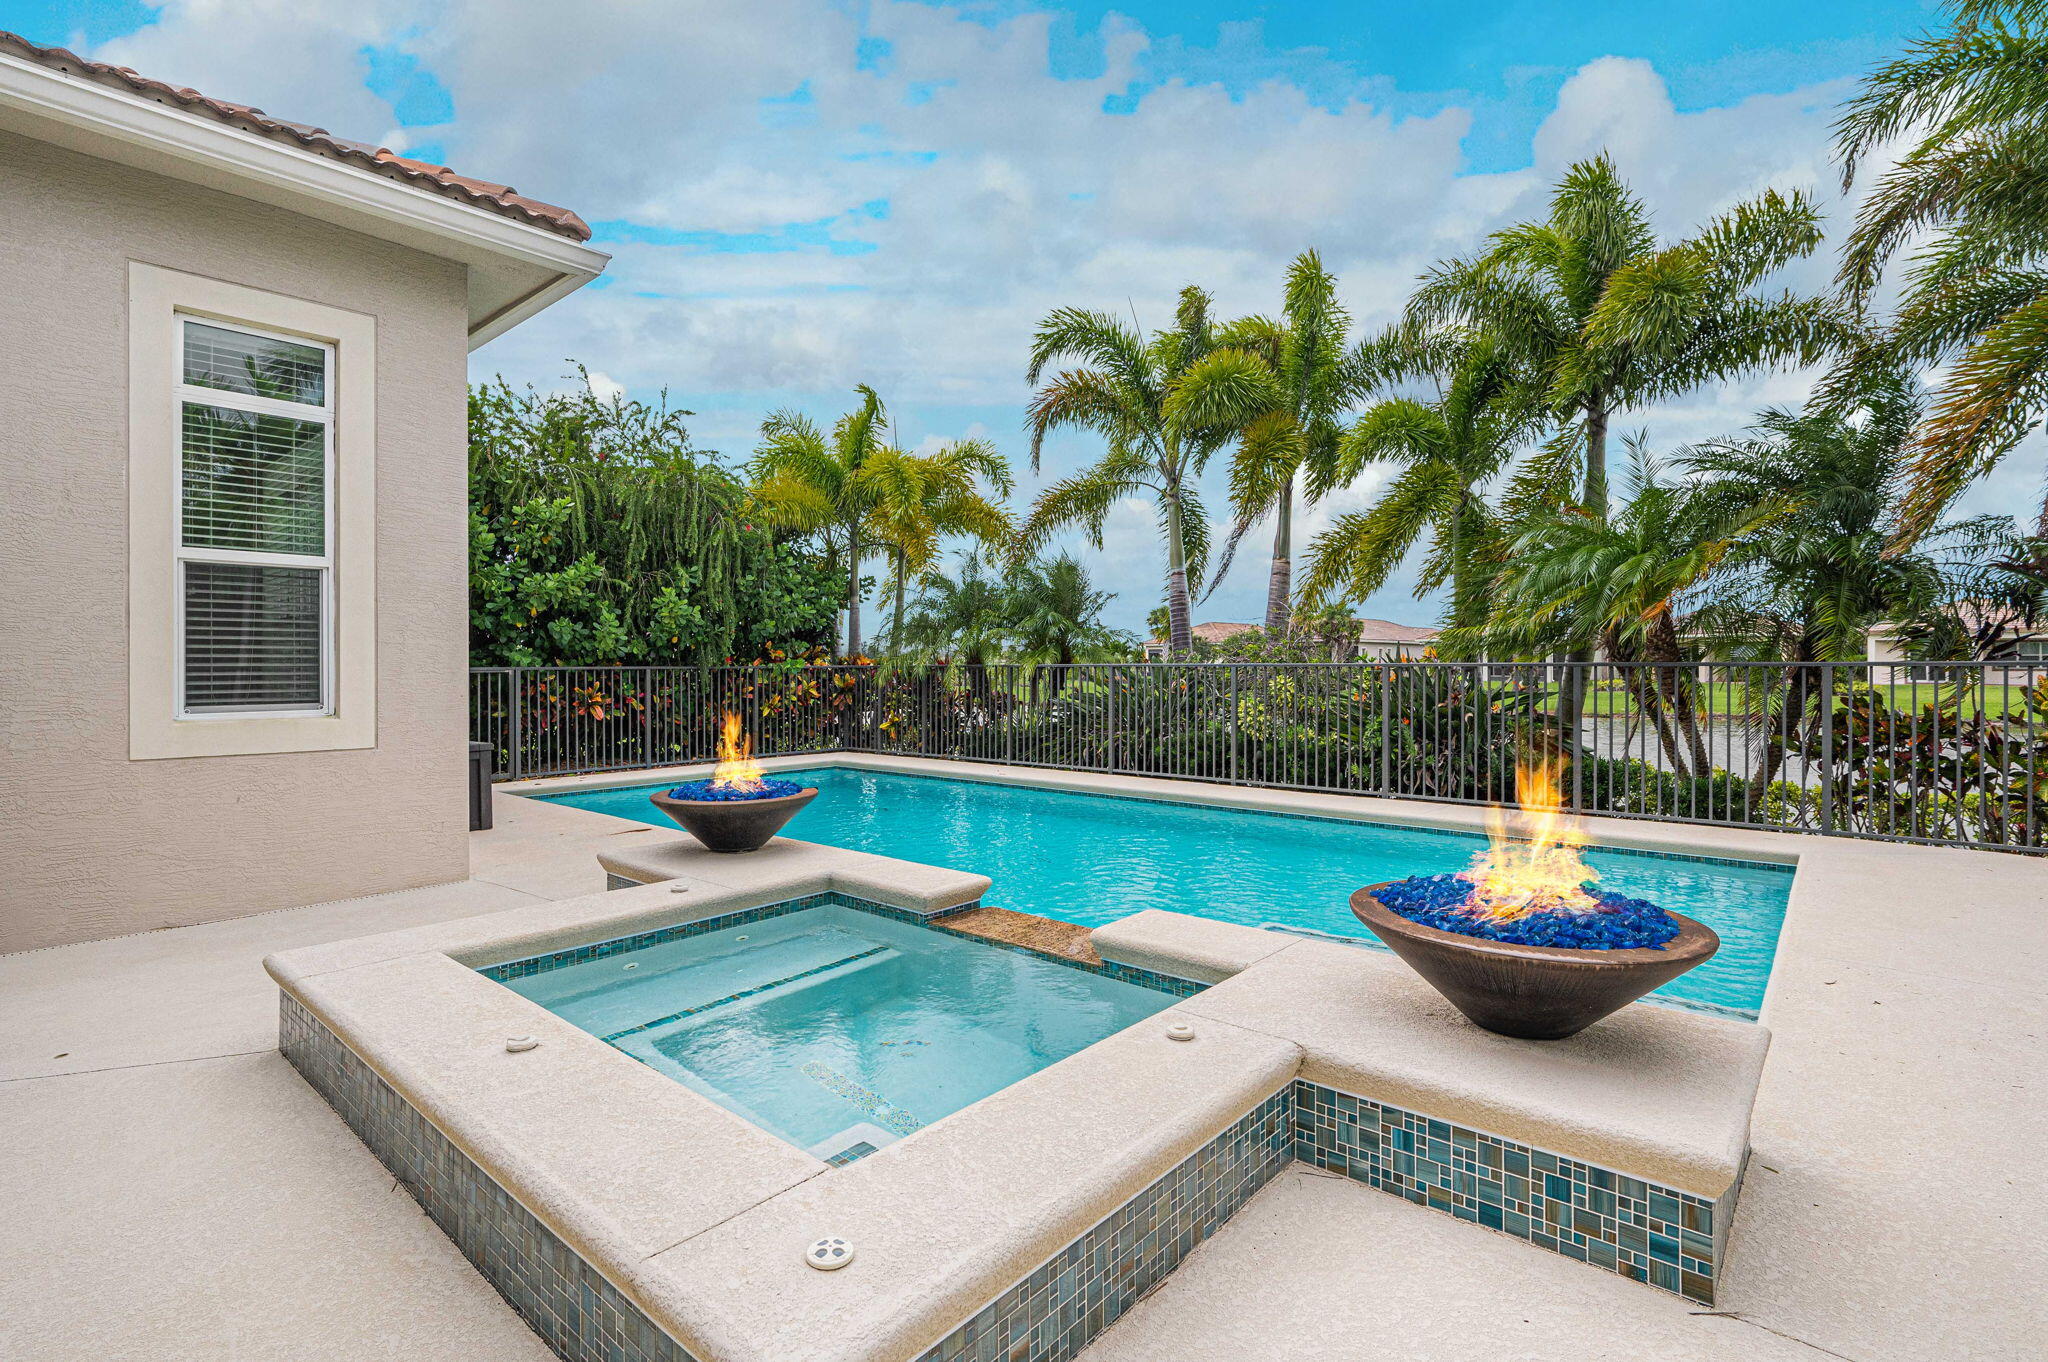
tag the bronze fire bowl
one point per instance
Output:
(733, 824)
(1534, 992)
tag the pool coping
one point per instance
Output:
(609, 1155)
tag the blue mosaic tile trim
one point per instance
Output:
(1150, 978)
(1084, 1288)
(1653, 1234)
(743, 993)
(576, 1312)
(860, 1149)
(869, 1103)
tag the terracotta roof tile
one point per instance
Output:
(1215, 632)
(1386, 631)
(433, 179)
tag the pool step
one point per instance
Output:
(855, 1142)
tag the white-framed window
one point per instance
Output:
(252, 590)
(255, 522)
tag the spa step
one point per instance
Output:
(872, 955)
(608, 997)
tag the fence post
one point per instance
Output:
(1571, 699)
(1387, 726)
(647, 716)
(1827, 747)
(518, 727)
(1233, 724)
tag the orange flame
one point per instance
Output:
(1542, 870)
(736, 769)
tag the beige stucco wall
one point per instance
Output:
(93, 844)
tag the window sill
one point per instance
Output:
(252, 737)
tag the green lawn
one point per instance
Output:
(1730, 699)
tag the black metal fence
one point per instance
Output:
(1946, 753)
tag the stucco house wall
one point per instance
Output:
(92, 843)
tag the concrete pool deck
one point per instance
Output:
(178, 1192)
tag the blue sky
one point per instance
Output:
(805, 194)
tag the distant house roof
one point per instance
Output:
(1214, 632)
(431, 179)
(1386, 631)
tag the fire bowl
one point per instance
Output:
(1532, 992)
(733, 824)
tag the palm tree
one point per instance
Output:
(861, 493)
(965, 617)
(1121, 394)
(1972, 192)
(811, 483)
(1813, 580)
(1331, 624)
(926, 497)
(1603, 319)
(1056, 614)
(1574, 579)
(1282, 386)
(1819, 576)
(1445, 452)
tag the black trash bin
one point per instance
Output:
(479, 785)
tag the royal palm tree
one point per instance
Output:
(1282, 386)
(1444, 452)
(925, 498)
(1971, 191)
(1120, 392)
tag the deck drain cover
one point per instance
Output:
(829, 1255)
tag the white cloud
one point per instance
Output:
(1008, 192)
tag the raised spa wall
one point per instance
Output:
(1630, 1224)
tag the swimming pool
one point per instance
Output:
(835, 1028)
(1092, 859)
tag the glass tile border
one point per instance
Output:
(935, 921)
(572, 1306)
(1063, 1304)
(1667, 1238)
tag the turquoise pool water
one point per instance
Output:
(1092, 859)
(836, 1028)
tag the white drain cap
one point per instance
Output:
(519, 1044)
(829, 1254)
(1179, 1030)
